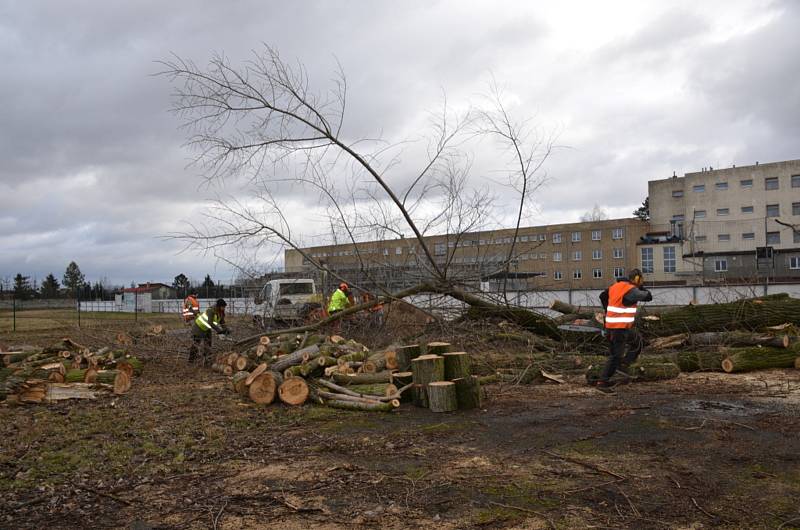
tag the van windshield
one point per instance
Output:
(296, 288)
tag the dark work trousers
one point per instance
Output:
(200, 344)
(619, 341)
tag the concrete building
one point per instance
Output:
(564, 256)
(707, 226)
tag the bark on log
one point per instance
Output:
(377, 389)
(468, 392)
(442, 396)
(293, 391)
(437, 348)
(738, 338)
(406, 354)
(359, 379)
(797, 363)
(294, 358)
(700, 361)
(425, 369)
(355, 356)
(258, 370)
(264, 387)
(457, 365)
(352, 405)
(748, 359)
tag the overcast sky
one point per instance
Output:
(93, 168)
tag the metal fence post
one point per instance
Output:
(135, 305)
(14, 313)
(78, 301)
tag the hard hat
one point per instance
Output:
(343, 286)
(221, 303)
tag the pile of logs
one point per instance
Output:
(64, 370)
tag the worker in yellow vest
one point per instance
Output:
(620, 305)
(212, 319)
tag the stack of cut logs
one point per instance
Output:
(740, 336)
(344, 374)
(65, 370)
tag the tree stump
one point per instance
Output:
(405, 354)
(263, 388)
(425, 369)
(293, 391)
(442, 396)
(468, 392)
(437, 348)
(457, 365)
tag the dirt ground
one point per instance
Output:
(182, 451)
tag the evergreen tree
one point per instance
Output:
(73, 278)
(182, 285)
(208, 288)
(643, 211)
(22, 287)
(50, 287)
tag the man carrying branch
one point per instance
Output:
(619, 302)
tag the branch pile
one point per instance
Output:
(64, 370)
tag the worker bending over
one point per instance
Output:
(212, 319)
(619, 302)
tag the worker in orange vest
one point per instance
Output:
(191, 308)
(619, 302)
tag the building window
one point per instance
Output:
(542, 255)
(669, 259)
(796, 181)
(557, 275)
(677, 194)
(748, 236)
(597, 273)
(721, 186)
(746, 183)
(647, 260)
(747, 209)
(700, 239)
(794, 262)
(386, 252)
(557, 237)
(723, 211)
(796, 238)
(524, 239)
(773, 238)
(542, 237)
(556, 256)
(617, 233)
(699, 214)
(699, 188)
(576, 236)
(678, 217)
(398, 251)
(439, 249)
(721, 265)
(724, 237)
(595, 235)
(796, 208)
(597, 254)
(771, 183)
(618, 253)
(773, 210)
(576, 274)
(577, 255)
(619, 272)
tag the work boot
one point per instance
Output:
(605, 387)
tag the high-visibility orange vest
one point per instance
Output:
(191, 307)
(619, 316)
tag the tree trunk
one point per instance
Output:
(406, 354)
(425, 369)
(442, 396)
(700, 361)
(258, 370)
(457, 365)
(748, 359)
(437, 348)
(373, 407)
(263, 388)
(362, 379)
(293, 391)
(292, 359)
(468, 392)
(738, 338)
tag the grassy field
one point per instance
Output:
(49, 319)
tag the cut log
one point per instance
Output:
(457, 365)
(655, 371)
(258, 370)
(293, 391)
(669, 342)
(377, 389)
(295, 358)
(369, 367)
(425, 369)
(748, 359)
(122, 383)
(264, 387)
(125, 366)
(59, 392)
(406, 354)
(442, 396)
(468, 392)
(345, 397)
(352, 405)
(738, 338)
(238, 383)
(263, 340)
(568, 309)
(360, 379)
(355, 356)
(437, 348)
(55, 377)
(242, 363)
(700, 361)
(90, 375)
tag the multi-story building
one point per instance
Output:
(725, 225)
(586, 255)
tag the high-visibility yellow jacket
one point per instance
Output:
(338, 301)
(208, 320)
